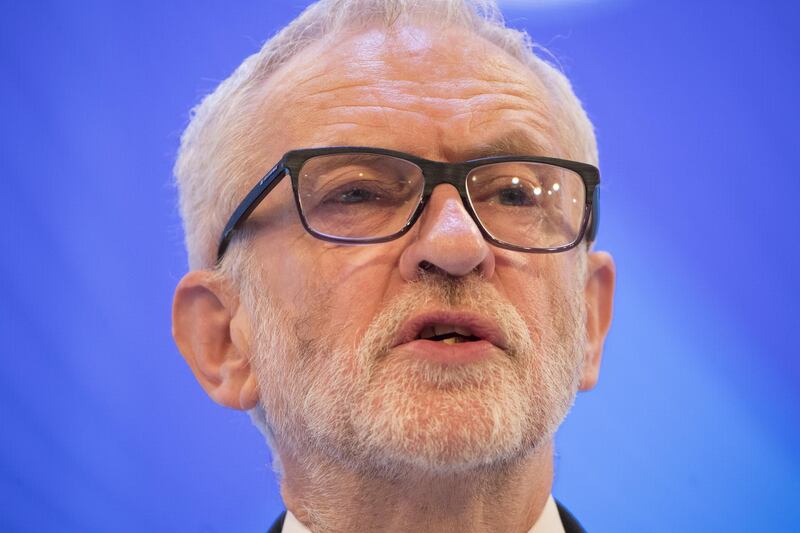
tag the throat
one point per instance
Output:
(497, 498)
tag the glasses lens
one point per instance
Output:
(533, 205)
(359, 196)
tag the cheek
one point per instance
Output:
(539, 286)
(330, 285)
(336, 290)
(533, 300)
(357, 282)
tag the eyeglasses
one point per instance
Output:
(357, 195)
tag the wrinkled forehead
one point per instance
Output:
(437, 93)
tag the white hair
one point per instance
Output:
(214, 161)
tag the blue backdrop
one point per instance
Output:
(694, 425)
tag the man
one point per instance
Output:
(407, 302)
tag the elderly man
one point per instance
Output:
(389, 211)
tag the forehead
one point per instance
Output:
(441, 94)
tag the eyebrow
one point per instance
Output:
(514, 142)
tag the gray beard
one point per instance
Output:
(381, 415)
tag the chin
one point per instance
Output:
(446, 419)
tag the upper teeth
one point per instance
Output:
(443, 329)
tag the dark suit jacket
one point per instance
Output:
(571, 525)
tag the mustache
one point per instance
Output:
(450, 290)
(467, 293)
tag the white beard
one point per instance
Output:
(374, 412)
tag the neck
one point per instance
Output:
(327, 496)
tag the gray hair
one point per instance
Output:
(214, 160)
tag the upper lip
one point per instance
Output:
(478, 324)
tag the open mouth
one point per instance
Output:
(450, 337)
(451, 327)
(447, 334)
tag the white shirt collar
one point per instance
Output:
(548, 522)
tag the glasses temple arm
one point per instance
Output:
(594, 220)
(250, 202)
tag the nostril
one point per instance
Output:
(426, 266)
(429, 268)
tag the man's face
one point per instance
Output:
(334, 327)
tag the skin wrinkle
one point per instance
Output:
(534, 128)
(430, 89)
(510, 87)
(536, 143)
(355, 110)
(428, 101)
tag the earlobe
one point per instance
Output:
(212, 333)
(599, 297)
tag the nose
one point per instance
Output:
(447, 239)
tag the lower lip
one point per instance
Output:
(458, 353)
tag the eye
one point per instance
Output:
(507, 193)
(515, 197)
(353, 195)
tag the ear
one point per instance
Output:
(213, 333)
(599, 296)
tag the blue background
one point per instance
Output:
(694, 425)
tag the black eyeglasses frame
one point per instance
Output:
(435, 173)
